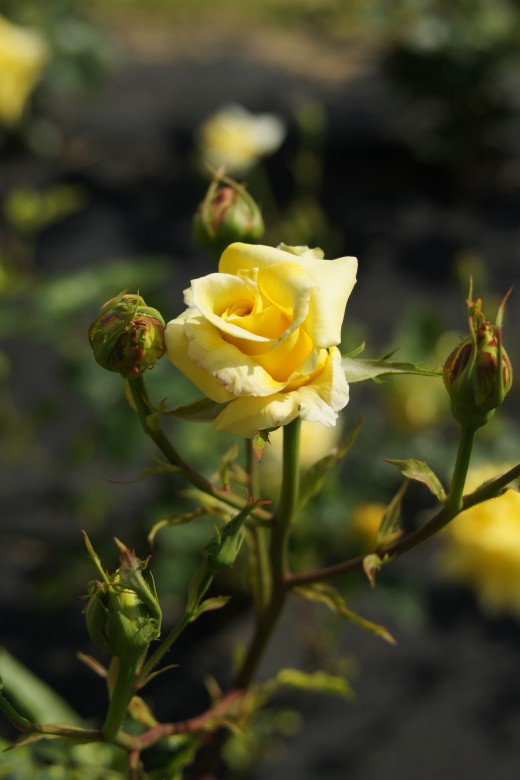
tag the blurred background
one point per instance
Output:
(388, 131)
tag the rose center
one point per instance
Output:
(239, 309)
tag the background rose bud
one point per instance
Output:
(228, 213)
(128, 336)
(478, 373)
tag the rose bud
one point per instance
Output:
(478, 373)
(122, 613)
(228, 213)
(128, 336)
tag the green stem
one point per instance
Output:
(259, 535)
(278, 555)
(148, 418)
(408, 542)
(120, 697)
(163, 648)
(202, 585)
(458, 480)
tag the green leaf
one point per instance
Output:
(211, 604)
(371, 565)
(317, 682)
(180, 519)
(34, 697)
(225, 464)
(203, 410)
(313, 478)
(391, 521)
(326, 594)
(420, 472)
(360, 369)
(259, 443)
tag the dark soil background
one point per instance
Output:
(445, 701)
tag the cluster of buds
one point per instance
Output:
(122, 613)
(228, 213)
(478, 373)
(128, 336)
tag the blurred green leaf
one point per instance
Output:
(318, 682)
(37, 700)
(326, 594)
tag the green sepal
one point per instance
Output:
(326, 594)
(361, 369)
(259, 443)
(202, 410)
(420, 472)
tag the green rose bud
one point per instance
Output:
(228, 213)
(478, 373)
(128, 336)
(122, 612)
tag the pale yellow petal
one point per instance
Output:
(239, 256)
(330, 281)
(333, 281)
(316, 402)
(177, 345)
(287, 287)
(216, 295)
(231, 368)
(246, 416)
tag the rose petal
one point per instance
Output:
(215, 294)
(177, 345)
(332, 282)
(316, 402)
(231, 368)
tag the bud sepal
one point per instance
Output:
(227, 214)
(478, 373)
(123, 614)
(128, 335)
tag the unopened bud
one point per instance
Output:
(128, 336)
(122, 612)
(478, 373)
(227, 214)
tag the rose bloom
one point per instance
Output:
(482, 549)
(237, 139)
(23, 55)
(261, 334)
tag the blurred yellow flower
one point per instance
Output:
(365, 524)
(23, 54)
(482, 549)
(237, 139)
(316, 441)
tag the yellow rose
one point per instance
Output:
(23, 55)
(482, 549)
(261, 336)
